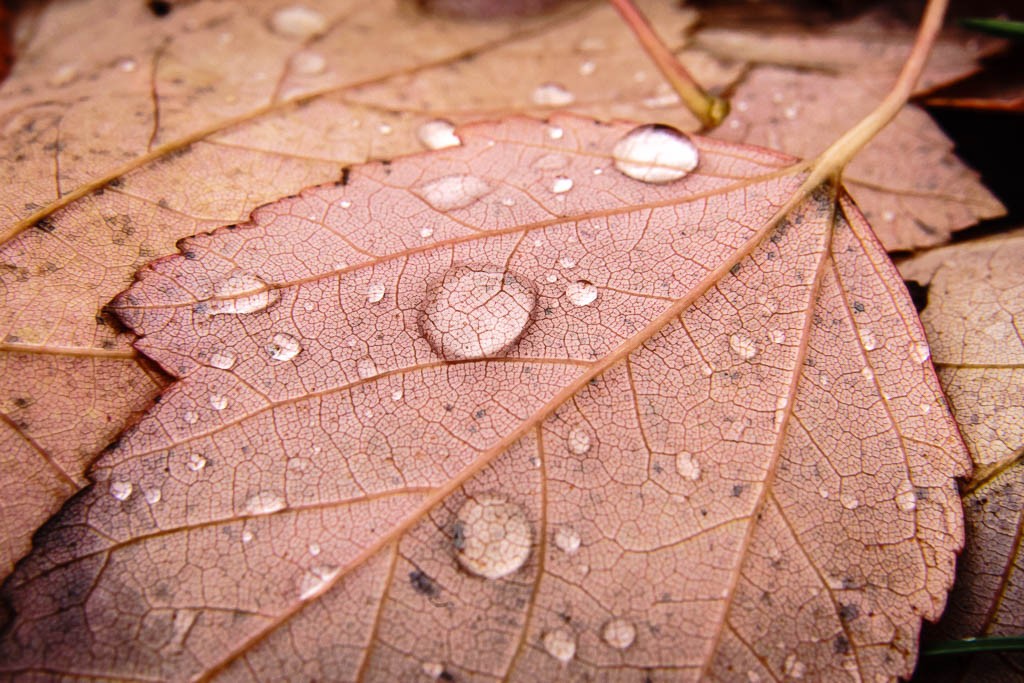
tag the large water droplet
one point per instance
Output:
(579, 441)
(560, 644)
(906, 499)
(438, 134)
(581, 293)
(561, 185)
(264, 503)
(655, 154)
(453, 191)
(475, 311)
(122, 490)
(619, 633)
(868, 340)
(297, 22)
(492, 536)
(743, 346)
(218, 402)
(241, 292)
(283, 347)
(687, 466)
(153, 496)
(567, 540)
(315, 579)
(224, 360)
(552, 95)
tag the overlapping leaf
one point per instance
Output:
(722, 436)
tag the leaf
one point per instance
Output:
(973, 323)
(806, 88)
(698, 428)
(167, 126)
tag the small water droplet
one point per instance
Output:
(791, 112)
(283, 347)
(314, 549)
(925, 408)
(687, 466)
(190, 417)
(581, 293)
(426, 232)
(264, 503)
(195, 462)
(453, 191)
(375, 292)
(552, 95)
(493, 537)
(551, 278)
(849, 501)
(247, 536)
(297, 22)
(579, 441)
(561, 184)
(587, 68)
(508, 201)
(567, 262)
(241, 292)
(122, 490)
(567, 540)
(65, 73)
(475, 311)
(889, 216)
(560, 644)
(224, 360)
(344, 203)
(655, 154)
(438, 134)
(315, 579)
(743, 346)
(906, 500)
(598, 171)
(385, 129)
(126, 64)
(868, 340)
(433, 669)
(794, 667)
(308, 63)
(867, 373)
(823, 492)
(555, 132)
(619, 633)
(779, 336)
(153, 496)
(920, 352)
(218, 402)
(366, 368)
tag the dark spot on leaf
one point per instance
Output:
(458, 536)
(737, 490)
(858, 307)
(736, 269)
(46, 224)
(841, 646)
(116, 182)
(346, 173)
(159, 8)
(422, 583)
(21, 402)
(848, 612)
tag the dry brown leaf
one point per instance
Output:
(804, 90)
(223, 142)
(701, 437)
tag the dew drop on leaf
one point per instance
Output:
(561, 184)
(567, 540)
(476, 311)
(453, 191)
(552, 95)
(555, 132)
(195, 462)
(794, 667)
(920, 352)
(122, 490)
(849, 501)
(743, 346)
(224, 360)
(315, 579)
(241, 292)
(375, 293)
(297, 22)
(687, 466)
(433, 669)
(438, 134)
(619, 633)
(567, 262)
(264, 503)
(247, 536)
(218, 402)
(560, 644)
(906, 500)
(868, 340)
(308, 63)
(579, 441)
(153, 496)
(493, 536)
(366, 368)
(426, 232)
(283, 347)
(581, 293)
(655, 154)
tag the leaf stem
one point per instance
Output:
(992, 644)
(709, 109)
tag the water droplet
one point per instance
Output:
(794, 667)
(587, 68)
(778, 336)
(283, 347)
(453, 191)
(567, 540)
(581, 293)
(241, 292)
(849, 501)
(366, 368)
(297, 22)
(791, 112)
(560, 644)
(493, 537)
(397, 395)
(687, 466)
(375, 292)
(889, 216)
(619, 633)
(385, 129)
(551, 278)
(655, 154)
(552, 95)
(218, 402)
(555, 132)
(65, 73)
(925, 408)
(920, 352)
(438, 134)
(868, 340)
(867, 373)
(195, 462)
(224, 360)
(433, 669)
(561, 184)
(823, 492)
(426, 232)
(190, 417)
(579, 441)
(906, 500)
(153, 496)
(126, 64)
(308, 63)
(247, 536)
(315, 579)
(508, 201)
(344, 203)
(567, 262)
(475, 311)
(314, 549)
(264, 503)
(743, 346)
(122, 490)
